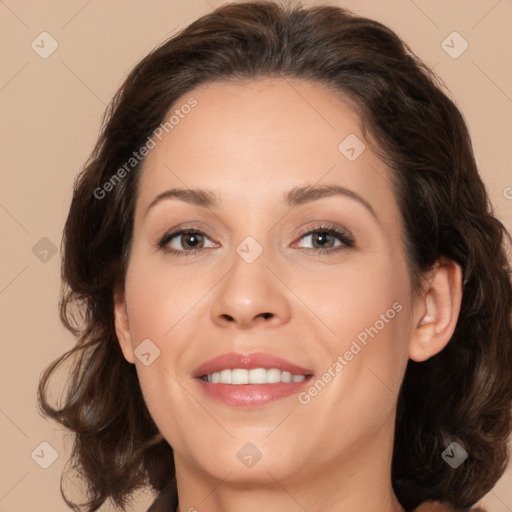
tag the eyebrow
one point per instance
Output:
(295, 197)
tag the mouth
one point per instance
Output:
(250, 380)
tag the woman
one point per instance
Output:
(294, 294)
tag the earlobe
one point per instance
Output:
(122, 325)
(437, 310)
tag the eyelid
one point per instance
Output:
(200, 227)
(326, 226)
(178, 231)
(345, 237)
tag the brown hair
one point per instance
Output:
(463, 394)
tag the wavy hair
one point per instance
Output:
(463, 394)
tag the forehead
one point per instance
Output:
(254, 140)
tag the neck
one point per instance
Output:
(362, 481)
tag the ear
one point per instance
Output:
(123, 326)
(436, 310)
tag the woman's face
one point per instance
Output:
(264, 280)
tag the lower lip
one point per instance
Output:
(251, 395)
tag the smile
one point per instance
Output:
(239, 376)
(250, 380)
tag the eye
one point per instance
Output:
(190, 241)
(324, 239)
(183, 242)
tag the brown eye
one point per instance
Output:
(191, 240)
(183, 242)
(324, 240)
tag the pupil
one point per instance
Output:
(188, 236)
(322, 236)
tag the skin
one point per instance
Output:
(251, 143)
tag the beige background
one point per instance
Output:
(50, 117)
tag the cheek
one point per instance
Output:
(159, 298)
(163, 307)
(368, 310)
(364, 372)
(164, 395)
(365, 299)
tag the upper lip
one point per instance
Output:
(248, 361)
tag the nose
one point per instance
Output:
(250, 295)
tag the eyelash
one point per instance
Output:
(346, 241)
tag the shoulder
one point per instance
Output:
(436, 506)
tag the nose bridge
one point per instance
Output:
(250, 292)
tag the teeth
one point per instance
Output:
(258, 376)
(274, 376)
(239, 376)
(253, 376)
(225, 377)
